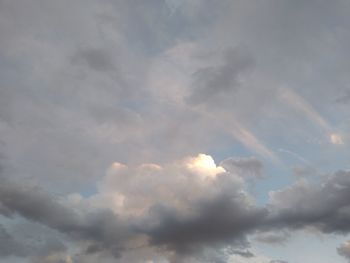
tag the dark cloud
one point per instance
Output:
(223, 219)
(101, 228)
(96, 59)
(11, 247)
(345, 99)
(278, 261)
(35, 204)
(227, 218)
(324, 206)
(213, 85)
(245, 254)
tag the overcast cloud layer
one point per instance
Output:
(174, 131)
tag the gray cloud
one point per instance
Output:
(183, 20)
(9, 246)
(102, 228)
(35, 204)
(96, 59)
(245, 254)
(84, 90)
(221, 220)
(344, 250)
(275, 238)
(325, 206)
(218, 85)
(244, 166)
(29, 241)
(85, 84)
(213, 220)
(345, 99)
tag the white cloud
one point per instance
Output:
(336, 138)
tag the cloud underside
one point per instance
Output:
(180, 212)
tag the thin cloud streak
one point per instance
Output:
(242, 134)
(252, 142)
(300, 104)
(298, 156)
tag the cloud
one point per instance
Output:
(85, 84)
(323, 206)
(336, 138)
(344, 99)
(344, 250)
(96, 59)
(248, 139)
(11, 247)
(35, 204)
(224, 219)
(184, 206)
(55, 259)
(101, 228)
(246, 254)
(31, 241)
(204, 164)
(274, 237)
(216, 85)
(183, 211)
(244, 166)
(300, 104)
(178, 208)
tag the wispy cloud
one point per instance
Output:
(302, 105)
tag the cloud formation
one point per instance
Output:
(139, 88)
(344, 250)
(323, 206)
(179, 208)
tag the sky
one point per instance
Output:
(174, 131)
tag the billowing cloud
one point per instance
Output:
(186, 205)
(182, 207)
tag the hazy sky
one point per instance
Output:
(174, 131)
